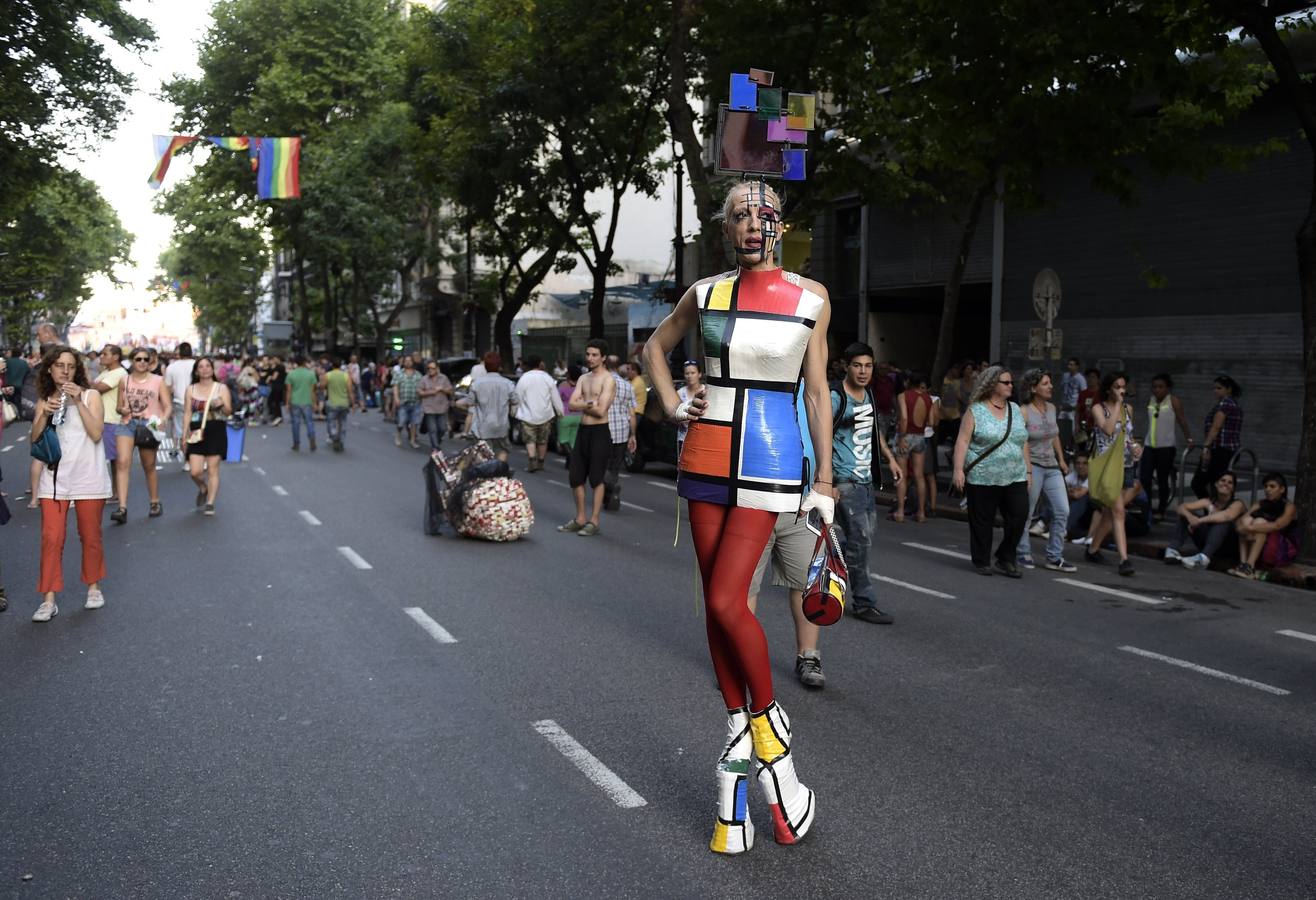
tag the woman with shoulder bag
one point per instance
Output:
(993, 433)
(205, 434)
(1112, 432)
(143, 397)
(69, 404)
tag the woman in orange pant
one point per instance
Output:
(81, 477)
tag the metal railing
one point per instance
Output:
(1254, 473)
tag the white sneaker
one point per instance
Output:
(45, 612)
(1038, 529)
(1082, 541)
(1199, 560)
(95, 599)
(1173, 555)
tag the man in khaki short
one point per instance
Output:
(789, 552)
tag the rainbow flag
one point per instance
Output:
(166, 145)
(230, 143)
(277, 172)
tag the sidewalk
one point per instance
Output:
(1151, 545)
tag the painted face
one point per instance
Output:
(860, 370)
(754, 225)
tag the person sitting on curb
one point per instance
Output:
(1208, 522)
(1266, 534)
(1080, 504)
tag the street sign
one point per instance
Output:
(1043, 346)
(1046, 295)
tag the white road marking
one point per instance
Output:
(278, 489)
(310, 519)
(258, 470)
(354, 558)
(1114, 592)
(636, 506)
(558, 483)
(20, 439)
(942, 550)
(662, 484)
(620, 792)
(1214, 673)
(6, 449)
(1300, 635)
(436, 631)
(912, 587)
(246, 458)
(623, 475)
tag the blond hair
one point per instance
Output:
(742, 187)
(986, 383)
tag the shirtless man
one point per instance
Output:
(589, 455)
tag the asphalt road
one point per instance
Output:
(256, 714)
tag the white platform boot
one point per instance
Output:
(792, 803)
(733, 832)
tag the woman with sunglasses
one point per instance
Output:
(992, 470)
(73, 406)
(693, 387)
(1112, 417)
(143, 397)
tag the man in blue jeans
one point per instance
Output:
(300, 388)
(854, 421)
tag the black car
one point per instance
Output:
(655, 439)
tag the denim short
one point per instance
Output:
(409, 414)
(128, 428)
(907, 444)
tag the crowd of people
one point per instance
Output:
(1068, 452)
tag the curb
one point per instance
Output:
(1295, 576)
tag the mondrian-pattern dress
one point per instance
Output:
(746, 448)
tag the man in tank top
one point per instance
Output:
(1164, 412)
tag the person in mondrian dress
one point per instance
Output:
(743, 463)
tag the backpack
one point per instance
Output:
(838, 387)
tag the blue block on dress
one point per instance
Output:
(771, 439)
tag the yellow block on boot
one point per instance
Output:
(768, 745)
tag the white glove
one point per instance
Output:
(682, 413)
(825, 505)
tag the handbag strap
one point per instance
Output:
(1009, 425)
(205, 413)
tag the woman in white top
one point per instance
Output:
(693, 372)
(67, 401)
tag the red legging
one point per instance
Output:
(728, 543)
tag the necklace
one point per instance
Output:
(994, 406)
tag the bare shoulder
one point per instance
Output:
(812, 286)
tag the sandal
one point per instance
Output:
(157, 510)
(119, 516)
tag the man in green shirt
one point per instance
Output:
(338, 402)
(300, 390)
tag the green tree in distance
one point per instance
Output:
(955, 102)
(59, 86)
(65, 234)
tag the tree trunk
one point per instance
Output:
(1260, 21)
(514, 302)
(602, 263)
(303, 305)
(951, 300)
